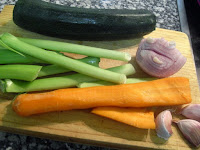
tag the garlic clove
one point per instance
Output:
(192, 111)
(190, 130)
(163, 124)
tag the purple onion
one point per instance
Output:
(159, 58)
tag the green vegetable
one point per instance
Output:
(78, 49)
(56, 82)
(94, 83)
(103, 83)
(54, 69)
(1, 47)
(20, 72)
(62, 61)
(10, 57)
(2, 44)
(82, 23)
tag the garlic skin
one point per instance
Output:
(190, 130)
(163, 124)
(159, 58)
(192, 111)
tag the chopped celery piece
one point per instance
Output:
(10, 57)
(52, 83)
(20, 72)
(1, 47)
(94, 83)
(137, 80)
(3, 86)
(105, 83)
(2, 44)
(126, 69)
(54, 69)
(62, 61)
(78, 49)
(44, 84)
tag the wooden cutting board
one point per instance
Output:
(80, 125)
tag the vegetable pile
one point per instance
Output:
(86, 68)
(37, 65)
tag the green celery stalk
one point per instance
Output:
(1, 47)
(62, 61)
(137, 80)
(54, 69)
(17, 86)
(10, 57)
(20, 72)
(94, 83)
(3, 86)
(78, 49)
(105, 83)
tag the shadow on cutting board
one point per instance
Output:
(74, 121)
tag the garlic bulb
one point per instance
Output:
(191, 130)
(159, 58)
(163, 124)
(192, 111)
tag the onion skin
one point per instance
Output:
(159, 58)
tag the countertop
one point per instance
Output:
(167, 15)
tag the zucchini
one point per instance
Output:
(82, 23)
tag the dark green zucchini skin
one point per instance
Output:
(82, 23)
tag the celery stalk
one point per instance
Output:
(137, 80)
(78, 49)
(44, 84)
(54, 69)
(62, 61)
(105, 83)
(1, 47)
(52, 83)
(10, 57)
(2, 44)
(20, 72)
(3, 86)
(94, 83)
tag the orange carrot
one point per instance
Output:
(137, 117)
(161, 92)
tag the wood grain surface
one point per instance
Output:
(80, 125)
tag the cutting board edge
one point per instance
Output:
(135, 144)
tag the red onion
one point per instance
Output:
(159, 58)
